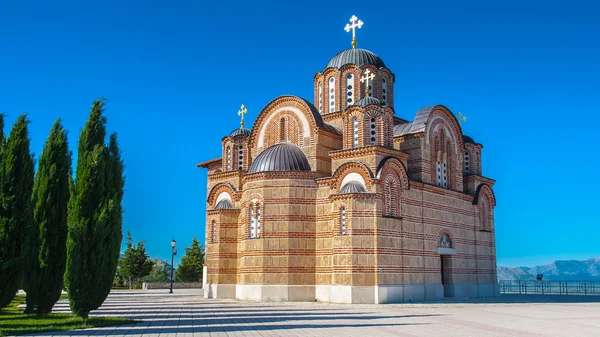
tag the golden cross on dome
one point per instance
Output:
(368, 77)
(242, 112)
(461, 118)
(353, 26)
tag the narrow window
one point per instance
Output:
(372, 132)
(331, 94)
(438, 168)
(384, 91)
(240, 157)
(252, 222)
(214, 232)
(467, 164)
(257, 221)
(282, 131)
(445, 171)
(349, 89)
(390, 196)
(320, 97)
(355, 132)
(228, 159)
(343, 220)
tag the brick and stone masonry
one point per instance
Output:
(356, 206)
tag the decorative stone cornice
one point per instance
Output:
(366, 151)
(222, 211)
(278, 175)
(226, 175)
(336, 196)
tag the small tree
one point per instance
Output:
(16, 178)
(136, 263)
(46, 251)
(190, 268)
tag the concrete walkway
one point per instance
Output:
(186, 313)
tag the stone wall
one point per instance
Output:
(176, 285)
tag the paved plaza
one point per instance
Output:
(187, 313)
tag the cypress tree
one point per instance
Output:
(95, 216)
(46, 251)
(15, 210)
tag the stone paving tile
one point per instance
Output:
(187, 314)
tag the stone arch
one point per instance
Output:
(303, 112)
(393, 164)
(485, 201)
(352, 167)
(485, 189)
(218, 189)
(394, 182)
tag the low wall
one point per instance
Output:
(176, 285)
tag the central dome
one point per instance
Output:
(280, 157)
(355, 56)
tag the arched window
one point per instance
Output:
(228, 158)
(240, 157)
(349, 89)
(331, 94)
(343, 220)
(254, 221)
(372, 131)
(282, 130)
(213, 229)
(384, 91)
(257, 220)
(442, 147)
(354, 132)
(467, 164)
(390, 195)
(320, 97)
(484, 213)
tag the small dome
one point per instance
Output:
(280, 157)
(467, 139)
(367, 101)
(240, 131)
(224, 204)
(353, 187)
(355, 56)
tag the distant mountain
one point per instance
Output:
(570, 270)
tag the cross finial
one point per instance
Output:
(242, 112)
(368, 77)
(353, 26)
(461, 118)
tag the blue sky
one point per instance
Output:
(525, 73)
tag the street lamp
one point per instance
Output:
(173, 253)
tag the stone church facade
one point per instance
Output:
(339, 200)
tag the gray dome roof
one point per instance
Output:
(353, 187)
(355, 56)
(467, 139)
(224, 204)
(280, 157)
(367, 101)
(240, 131)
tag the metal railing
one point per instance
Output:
(545, 287)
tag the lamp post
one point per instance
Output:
(173, 253)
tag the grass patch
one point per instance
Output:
(14, 322)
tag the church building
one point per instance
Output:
(339, 200)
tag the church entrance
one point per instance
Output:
(445, 268)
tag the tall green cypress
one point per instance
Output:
(46, 252)
(95, 216)
(15, 208)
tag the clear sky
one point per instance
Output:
(525, 73)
